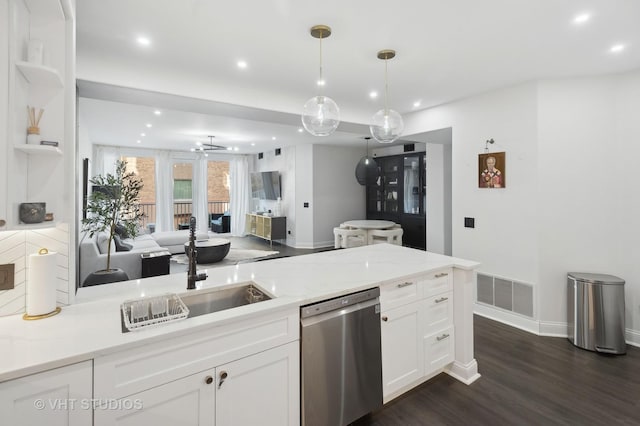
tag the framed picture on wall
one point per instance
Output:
(492, 170)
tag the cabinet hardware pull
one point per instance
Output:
(208, 380)
(223, 376)
(444, 274)
(384, 318)
(442, 299)
(444, 336)
(404, 284)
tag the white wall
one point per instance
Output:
(303, 231)
(337, 195)
(588, 144)
(505, 237)
(571, 198)
(285, 164)
(435, 208)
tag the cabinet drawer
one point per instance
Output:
(399, 293)
(438, 312)
(439, 350)
(437, 282)
(128, 372)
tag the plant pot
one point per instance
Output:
(105, 276)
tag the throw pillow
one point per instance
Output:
(121, 231)
(121, 245)
(102, 239)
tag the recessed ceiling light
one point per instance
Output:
(199, 143)
(138, 141)
(143, 134)
(417, 104)
(229, 148)
(300, 130)
(143, 41)
(373, 94)
(253, 144)
(206, 155)
(273, 138)
(193, 150)
(617, 48)
(236, 148)
(149, 125)
(242, 64)
(582, 18)
(157, 112)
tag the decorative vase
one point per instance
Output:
(33, 135)
(105, 276)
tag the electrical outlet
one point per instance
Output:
(7, 275)
(469, 222)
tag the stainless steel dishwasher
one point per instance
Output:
(341, 359)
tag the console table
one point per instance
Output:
(269, 228)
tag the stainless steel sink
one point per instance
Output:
(206, 302)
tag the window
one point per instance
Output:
(182, 189)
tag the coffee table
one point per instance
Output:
(210, 251)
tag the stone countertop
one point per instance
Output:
(91, 327)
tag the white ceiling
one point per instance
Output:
(447, 50)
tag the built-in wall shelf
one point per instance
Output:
(30, 226)
(43, 150)
(40, 75)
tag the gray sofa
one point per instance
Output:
(93, 252)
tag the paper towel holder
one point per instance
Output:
(56, 311)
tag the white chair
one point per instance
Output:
(346, 238)
(391, 236)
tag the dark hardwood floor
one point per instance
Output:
(526, 380)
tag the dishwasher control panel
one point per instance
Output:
(338, 302)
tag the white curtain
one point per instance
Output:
(199, 194)
(164, 191)
(104, 160)
(240, 193)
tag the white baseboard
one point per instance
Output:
(553, 329)
(514, 320)
(632, 337)
(540, 328)
(466, 374)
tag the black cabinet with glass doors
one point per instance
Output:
(398, 193)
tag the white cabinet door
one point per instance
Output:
(439, 350)
(189, 401)
(261, 389)
(402, 347)
(438, 312)
(54, 398)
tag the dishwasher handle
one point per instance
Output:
(309, 321)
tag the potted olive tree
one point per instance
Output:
(113, 203)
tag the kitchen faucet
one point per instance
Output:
(192, 275)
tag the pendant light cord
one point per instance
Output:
(386, 88)
(321, 81)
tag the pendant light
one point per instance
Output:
(320, 115)
(366, 168)
(386, 124)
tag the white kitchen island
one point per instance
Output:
(219, 360)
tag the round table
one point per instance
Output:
(370, 224)
(210, 251)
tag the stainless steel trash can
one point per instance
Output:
(595, 312)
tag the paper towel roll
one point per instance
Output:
(41, 285)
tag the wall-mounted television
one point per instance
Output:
(265, 185)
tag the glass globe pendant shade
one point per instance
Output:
(320, 116)
(386, 125)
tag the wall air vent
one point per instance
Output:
(260, 155)
(505, 294)
(277, 151)
(409, 147)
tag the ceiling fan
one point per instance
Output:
(204, 147)
(211, 146)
